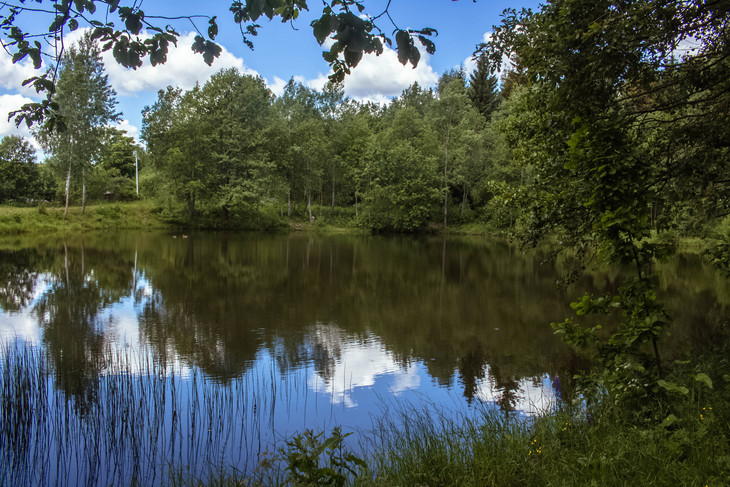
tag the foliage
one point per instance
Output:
(87, 103)
(609, 120)
(483, 90)
(19, 174)
(208, 150)
(401, 176)
(312, 461)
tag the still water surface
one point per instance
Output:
(237, 341)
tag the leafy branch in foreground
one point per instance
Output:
(313, 461)
(625, 130)
(134, 35)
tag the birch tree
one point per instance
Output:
(87, 102)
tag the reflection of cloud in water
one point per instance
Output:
(531, 396)
(20, 326)
(23, 325)
(355, 363)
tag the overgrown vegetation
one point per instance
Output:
(45, 218)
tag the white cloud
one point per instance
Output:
(132, 131)
(12, 74)
(378, 78)
(278, 86)
(10, 103)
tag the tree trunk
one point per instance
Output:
(333, 185)
(191, 205)
(309, 206)
(288, 204)
(83, 191)
(463, 200)
(68, 185)
(356, 215)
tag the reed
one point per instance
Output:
(145, 423)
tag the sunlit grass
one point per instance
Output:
(128, 215)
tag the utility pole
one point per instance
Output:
(136, 172)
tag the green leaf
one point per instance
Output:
(704, 378)
(672, 387)
(323, 27)
(133, 23)
(212, 29)
(669, 421)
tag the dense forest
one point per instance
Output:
(480, 147)
(229, 154)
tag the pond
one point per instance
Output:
(128, 356)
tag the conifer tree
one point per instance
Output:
(482, 89)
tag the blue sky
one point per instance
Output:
(282, 52)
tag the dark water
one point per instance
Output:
(182, 353)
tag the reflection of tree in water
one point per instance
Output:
(175, 332)
(506, 386)
(216, 301)
(472, 368)
(326, 349)
(68, 313)
(18, 278)
(197, 312)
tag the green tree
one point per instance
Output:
(459, 127)
(117, 152)
(402, 187)
(179, 150)
(483, 91)
(19, 174)
(115, 176)
(356, 128)
(305, 138)
(209, 148)
(236, 112)
(87, 103)
(602, 120)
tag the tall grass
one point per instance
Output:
(423, 445)
(147, 424)
(150, 424)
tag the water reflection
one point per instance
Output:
(342, 365)
(473, 312)
(282, 333)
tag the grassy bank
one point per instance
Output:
(101, 216)
(564, 447)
